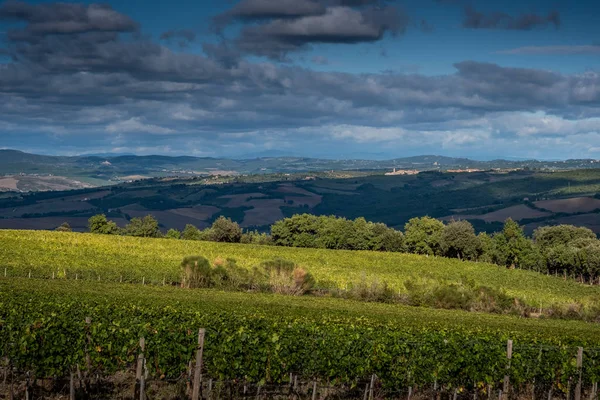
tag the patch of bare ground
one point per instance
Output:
(570, 206)
(197, 212)
(288, 188)
(239, 200)
(8, 183)
(322, 190)
(264, 212)
(517, 213)
(304, 200)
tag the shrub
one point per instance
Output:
(197, 272)
(64, 227)
(173, 234)
(190, 232)
(285, 277)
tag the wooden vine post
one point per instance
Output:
(506, 386)
(139, 371)
(198, 367)
(579, 372)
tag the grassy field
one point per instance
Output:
(116, 258)
(264, 337)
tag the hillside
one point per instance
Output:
(116, 258)
(533, 198)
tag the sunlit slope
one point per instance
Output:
(116, 258)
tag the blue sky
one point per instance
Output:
(326, 78)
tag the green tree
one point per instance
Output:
(225, 230)
(99, 224)
(143, 227)
(190, 232)
(512, 248)
(458, 240)
(64, 227)
(173, 234)
(549, 236)
(422, 235)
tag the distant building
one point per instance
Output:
(403, 172)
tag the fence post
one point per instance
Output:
(198, 368)
(314, 393)
(409, 392)
(371, 387)
(72, 386)
(579, 371)
(139, 369)
(506, 387)
(143, 380)
(88, 360)
(594, 391)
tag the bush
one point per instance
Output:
(64, 227)
(285, 277)
(197, 272)
(173, 234)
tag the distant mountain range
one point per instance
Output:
(116, 167)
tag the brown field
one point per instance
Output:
(442, 183)
(287, 188)
(334, 185)
(304, 200)
(265, 212)
(8, 183)
(196, 212)
(515, 212)
(570, 206)
(333, 191)
(239, 200)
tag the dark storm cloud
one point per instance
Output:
(63, 18)
(338, 25)
(252, 10)
(274, 28)
(498, 20)
(96, 80)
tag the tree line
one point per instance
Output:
(564, 250)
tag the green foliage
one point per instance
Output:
(458, 240)
(511, 248)
(197, 272)
(548, 236)
(173, 234)
(422, 235)
(255, 237)
(225, 230)
(190, 232)
(143, 227)
(64, 227)
(130, 259)
(261, 338)
(285, 277)
(330, 232)
(99, 224)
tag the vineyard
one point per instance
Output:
(263, 338)
(156, 261)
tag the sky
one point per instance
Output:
(317, 78)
